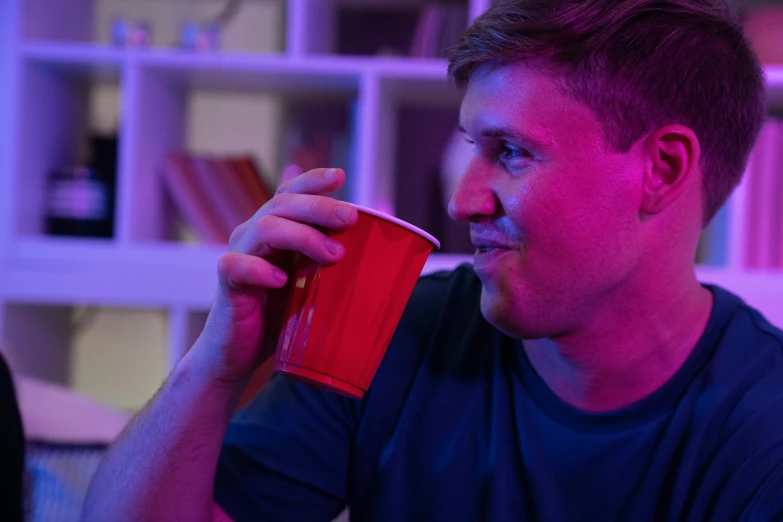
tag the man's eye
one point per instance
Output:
(510, 153)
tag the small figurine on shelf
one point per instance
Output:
(204, 35)
(130, 33)
(201, 37)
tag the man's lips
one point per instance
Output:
(491, 246)
(487, 250)
(487, 254)
(486, 245)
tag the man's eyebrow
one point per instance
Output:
(504, 133)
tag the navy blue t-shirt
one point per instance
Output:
(458, 426)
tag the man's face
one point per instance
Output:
(554, 214)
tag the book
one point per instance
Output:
(234, 189)
(252, 179)
(208, 180)
(189, 201)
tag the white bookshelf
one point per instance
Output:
(57, 56)
(54, 58)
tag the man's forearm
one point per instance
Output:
(162, 467)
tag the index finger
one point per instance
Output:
(290, 172)
(315, 182)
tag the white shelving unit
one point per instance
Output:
(53, 57)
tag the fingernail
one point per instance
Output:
(343, 212)
(331, 174)
(333, 246)
(280, 276)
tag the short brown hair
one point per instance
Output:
(639, 65)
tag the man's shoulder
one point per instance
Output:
(747, 336)
(748, 417)
(749, 366)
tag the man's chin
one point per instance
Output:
(506, 317)
(498, 313)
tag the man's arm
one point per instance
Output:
(162, 467)
(286, 456)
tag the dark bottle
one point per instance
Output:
(81, 199)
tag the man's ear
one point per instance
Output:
(673, 155)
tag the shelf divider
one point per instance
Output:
(310, 27)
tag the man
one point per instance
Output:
(579, 372)
(11, 450)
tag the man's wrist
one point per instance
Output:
(196, 373)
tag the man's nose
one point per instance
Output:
(474, 198)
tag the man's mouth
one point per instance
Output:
(487, 255)
(486, 245)
(485, 249)
(490, 245)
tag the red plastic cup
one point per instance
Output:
(340, 319)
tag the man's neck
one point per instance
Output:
(631, 346)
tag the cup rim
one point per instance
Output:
(397, 221)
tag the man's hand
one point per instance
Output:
(172, 446)
(248, 275)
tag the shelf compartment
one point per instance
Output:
(64, 103)
(376, 27)
(222, 107)
(115, 354)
